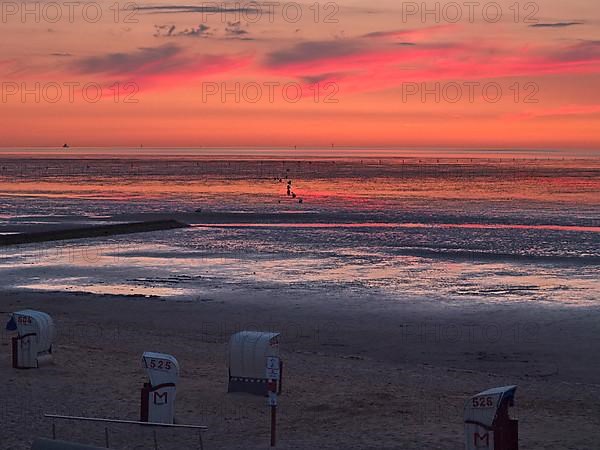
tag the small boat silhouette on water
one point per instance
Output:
(65, 146)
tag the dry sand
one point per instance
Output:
(360, 372)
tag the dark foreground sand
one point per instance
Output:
(396, 376)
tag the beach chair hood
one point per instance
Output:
(35, 323)
(248, 352)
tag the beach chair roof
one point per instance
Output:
(31, 322)
(248, 352)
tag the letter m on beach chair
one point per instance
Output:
(160, 398)
(481, 440)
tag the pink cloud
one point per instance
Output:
(165, 66)
(360, 66)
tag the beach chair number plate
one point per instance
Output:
(160, 365)
(483, 402)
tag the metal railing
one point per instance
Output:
(200, 428)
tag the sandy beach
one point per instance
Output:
(392, 375)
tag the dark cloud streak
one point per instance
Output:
(146, 59)
(307, 52)
(186, 9)
(555, 25)
(202, 31)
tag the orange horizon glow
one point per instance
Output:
(371, 78)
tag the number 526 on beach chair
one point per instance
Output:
(488, 425)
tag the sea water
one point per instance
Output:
(457, 226)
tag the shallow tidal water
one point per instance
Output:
(454, 229)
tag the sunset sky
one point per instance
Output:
(361, 67)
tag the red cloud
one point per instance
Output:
(164, 66)
(362, 66)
